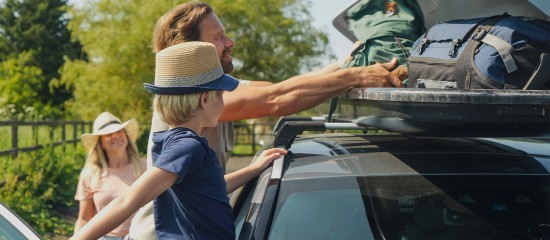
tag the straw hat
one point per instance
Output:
(189, 67)
(107, 123)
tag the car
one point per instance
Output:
(12, 227)
(376, 184)
(409, 163)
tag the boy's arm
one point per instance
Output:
(238, 178)
(151, 184)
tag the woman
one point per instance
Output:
(112, 165)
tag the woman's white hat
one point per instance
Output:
(189, 67)
(107, 123)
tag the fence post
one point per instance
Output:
(14, 138)
(35, 133)
(52, 126)
(75, 128)
(63, 138)
(254, 137)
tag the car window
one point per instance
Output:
(8, 231)
(459, 206)
(320, 210)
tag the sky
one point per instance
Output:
(323, 12)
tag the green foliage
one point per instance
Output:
(38, 28)
(39, 182)
(116, 35)
(274, 42)
(18, 98)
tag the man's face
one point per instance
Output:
(212, 31)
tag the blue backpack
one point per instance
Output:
(498, 52)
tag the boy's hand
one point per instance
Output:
(266, 158)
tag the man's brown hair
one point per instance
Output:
(180, 24)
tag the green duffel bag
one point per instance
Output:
(387, 29)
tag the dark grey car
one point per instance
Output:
(425, 164)
(391, 186)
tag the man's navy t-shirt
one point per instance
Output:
(196, 206)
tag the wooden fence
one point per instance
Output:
(26, 136)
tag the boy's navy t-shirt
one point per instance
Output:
(196, 206)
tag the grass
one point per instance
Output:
(244, 150)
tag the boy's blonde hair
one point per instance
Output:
(177, 109)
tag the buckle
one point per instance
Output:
(454, 48)
(424, 44)
(358, 48)
(479, 34)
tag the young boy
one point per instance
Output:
(186, 180)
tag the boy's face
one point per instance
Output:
(213, 108)
(212, 31)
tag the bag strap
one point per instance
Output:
(461, 75)
(358, 58)
(332, 109)
(541, 75)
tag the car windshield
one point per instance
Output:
(473, 206)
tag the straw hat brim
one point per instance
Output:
(224, 82)
(131, 127)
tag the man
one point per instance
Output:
(196, 21)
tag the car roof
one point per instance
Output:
(337, 155)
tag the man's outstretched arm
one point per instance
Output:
(303, 92)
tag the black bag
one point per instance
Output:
(498, 52)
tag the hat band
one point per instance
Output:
(107, 124)
(188, 81)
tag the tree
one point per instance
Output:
(38, 27)
(275, 41)
(17, 96)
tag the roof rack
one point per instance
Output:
(450, 112)
(287, 128)
(284, 119)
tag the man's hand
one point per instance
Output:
(377, 75)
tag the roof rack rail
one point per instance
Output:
(284, 119)
(286, 132)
